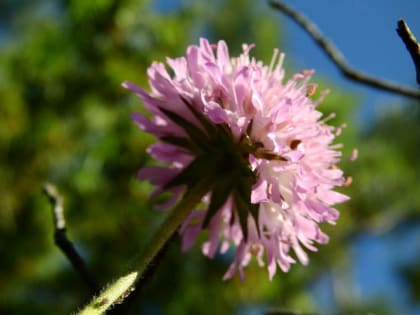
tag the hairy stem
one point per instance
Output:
(118, 290)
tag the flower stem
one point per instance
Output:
(119, 289)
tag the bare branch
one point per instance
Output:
(335, 55)
(61, 239)
(411, 44)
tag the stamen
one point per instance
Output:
(329, 117)
(321, 97)
(354, 155)
(269, 192)
(269, 156)
(273, 61)
(280, 62)
(249, 127)
(348, 181)
(254, 249)
(311, 90)
(303, 74)
(294, 144)
(336, 146)
(339, 129)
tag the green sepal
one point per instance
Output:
(195, 133)
(181, 142)
(222, 188)
(219, 160)
(254, 209)
(243, 191)
(241, 208)
(198, 169)
(209, 126)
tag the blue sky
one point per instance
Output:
(364, 31)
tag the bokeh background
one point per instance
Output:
(64, 118)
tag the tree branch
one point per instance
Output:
(61, 239)
(335, 55)
(411, 44)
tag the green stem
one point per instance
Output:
(120, 288)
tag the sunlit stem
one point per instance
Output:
(120, 288)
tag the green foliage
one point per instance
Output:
(65, 119)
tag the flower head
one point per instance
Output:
(260, 141)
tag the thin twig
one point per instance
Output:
(61, 239)
(411, 44)
(335, 55)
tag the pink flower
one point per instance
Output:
(261, 141)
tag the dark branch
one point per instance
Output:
(335, 55)
(61, 239)
(411, 44)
